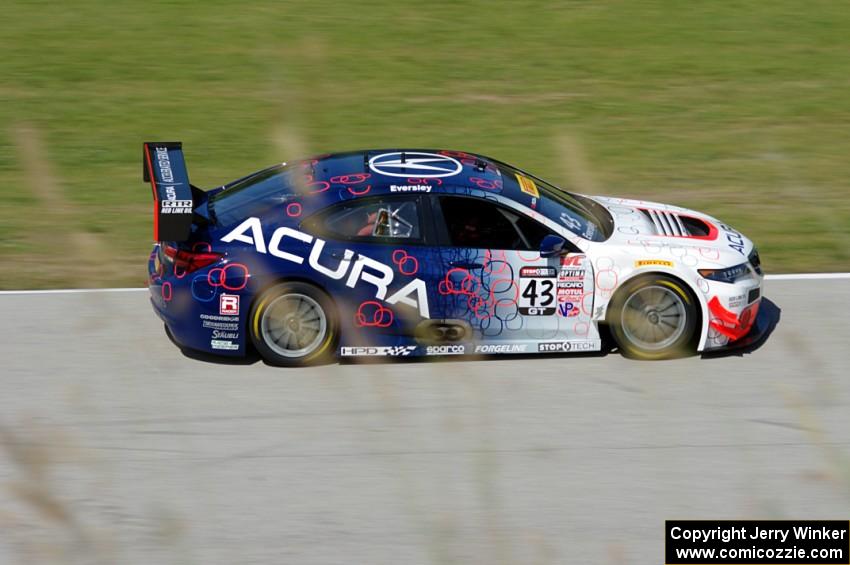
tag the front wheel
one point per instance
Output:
(654, 317)
(293, 324)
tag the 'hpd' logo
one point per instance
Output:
(415, 164)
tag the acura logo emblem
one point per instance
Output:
(415, 164)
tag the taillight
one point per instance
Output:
(187, 261)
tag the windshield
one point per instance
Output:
(252, 195)
(577, 213)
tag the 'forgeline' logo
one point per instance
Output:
(501, 348)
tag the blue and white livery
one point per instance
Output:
(418, 252)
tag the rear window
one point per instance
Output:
(252, 196)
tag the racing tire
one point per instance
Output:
(654, 317)
(293, 324)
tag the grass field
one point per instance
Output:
(737, 108)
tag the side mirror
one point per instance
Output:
(552, 245)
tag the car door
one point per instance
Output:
(388, 289)
(495, 278)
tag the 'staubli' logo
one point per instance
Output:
(415, 164)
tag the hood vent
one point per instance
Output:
(672, 224)
(666, 223)
(696, 227)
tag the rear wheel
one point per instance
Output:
(294, 323)
(654, 317)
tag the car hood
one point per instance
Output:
(637, 222)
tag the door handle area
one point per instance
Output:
(469, 265)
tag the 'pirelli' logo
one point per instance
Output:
(527, 185)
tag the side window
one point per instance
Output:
(477, 223)
(385, 219)
(533, 232)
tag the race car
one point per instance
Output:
(419, 252)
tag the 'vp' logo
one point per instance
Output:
(415, 164)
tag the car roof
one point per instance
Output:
(386, 171)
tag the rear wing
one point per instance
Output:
(164, 167)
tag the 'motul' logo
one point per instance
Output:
(415, 164)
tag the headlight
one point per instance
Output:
(755, 260)
(729, 275)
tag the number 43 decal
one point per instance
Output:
(537, 291)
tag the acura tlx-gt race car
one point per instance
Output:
(426, 252)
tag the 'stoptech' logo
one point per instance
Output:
(415, 164)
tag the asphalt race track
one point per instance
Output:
(117, 448)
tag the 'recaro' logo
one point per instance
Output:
(415, 164)
(228, 305)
